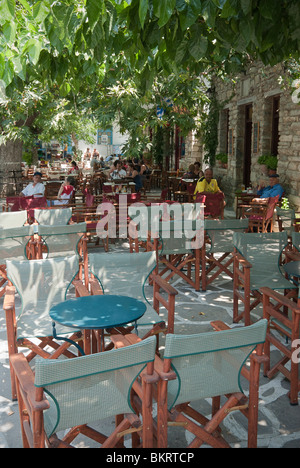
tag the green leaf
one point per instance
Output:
(198, 45)
(93, 9)
(163, 10)
(9, 31)
(209, 11)
(2, 65)
(33, 47)
(7, 9)
(26, 5)
(187, 18)
(40, 11)
(247, 6)
(64, 89)
(143, 9)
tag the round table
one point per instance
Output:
(97, 312)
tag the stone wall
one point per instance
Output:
(193, 151)
(258, 87)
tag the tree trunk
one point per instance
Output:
(11, 170)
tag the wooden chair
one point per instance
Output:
(213, 204)
(256, 265)
(180, 252)
(285, 219)
(15, 241)
(217, 250)
(127, 274)
(260, 214)
(40, 284)
(203, 366)
(62, 241)
(75, 393)
(283, 333)
(52, 188)
(59, 216)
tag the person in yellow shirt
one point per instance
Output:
(207, 184)
(214, 197)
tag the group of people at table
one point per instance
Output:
(37, 189)
(137, 170)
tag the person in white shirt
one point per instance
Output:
(36, 188)
(65, 192)
(116, 172)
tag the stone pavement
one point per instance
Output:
(278, 423)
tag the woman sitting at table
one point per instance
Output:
(134, 173)
(65, 192)
(198, 173)
(73, 167)
(190, 174)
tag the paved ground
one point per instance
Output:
(279, 422)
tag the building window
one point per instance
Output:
(275, 125)
(105, 137)
(224, 131)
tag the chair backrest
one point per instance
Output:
(209, 364)
(200, 198)
(12, 219)
(41, 284)
(123, 274)
(296, 240)
(91, 388)
(53, 217)
(164, 194)
(177, 236)
(52, 188)
(262, 250)
(285, 219)
(271, 206)
(220, 233)
(13, 242)
(62, 239)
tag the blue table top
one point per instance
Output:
(292, 268)
(98, 312)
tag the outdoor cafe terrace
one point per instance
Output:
(188, 343)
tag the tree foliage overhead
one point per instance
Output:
(65, 41)
(77, 53)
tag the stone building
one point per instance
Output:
(259, 115)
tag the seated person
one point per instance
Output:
(190, 174)
(272, 190)
(214, 203)
(133, 172)
(197, 171)
(206, 184)
(73, 167)
(65, 192)
(35, 188)
(95, 164)
(117, 172)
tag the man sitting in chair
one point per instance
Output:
(214, 196)
(207, 185)
(36, 187)
(274, 188)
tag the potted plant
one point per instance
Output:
(222, 158)
(268, 163)
(272, 164)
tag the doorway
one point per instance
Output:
(247, 145)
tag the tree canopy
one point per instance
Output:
(80, 53)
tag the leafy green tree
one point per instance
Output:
(68, 48)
